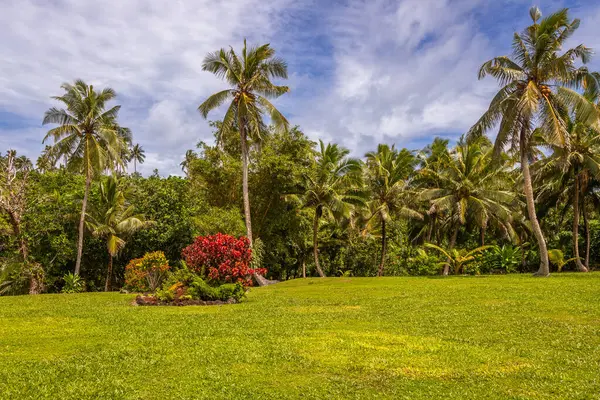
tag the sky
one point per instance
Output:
(360, 72)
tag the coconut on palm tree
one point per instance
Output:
(138, 155)
(331, 189)
(539, 85)
(87, 135)
(387, 174)
(249, 76)
(114, 220)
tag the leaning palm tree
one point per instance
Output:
(138, 155)
(470, 186)
(331, 189)
(120, 164)
(88, 136)
(566, 174)
(249, 77)
(113, 221)
(387, 174)
(538, 86)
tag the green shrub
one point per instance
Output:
(182, 275)
(165, 294)
(502, 259)
(183, 284)
(201, 290)
(73, 284)
(231, 291)
(12, 279)
(423, 263)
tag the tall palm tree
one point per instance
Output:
(331, 189)
(190, 156)
(470, 186)
(387, 173)
(538, 85)
(88, 136)
(249, 77)
(114, 219)
(138, 155)
(435, 157)
(47, 160)
(566, 175)
(120, 164)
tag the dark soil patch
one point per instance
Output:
(142, 300)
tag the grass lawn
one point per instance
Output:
(500, 337)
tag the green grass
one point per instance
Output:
(501, 337)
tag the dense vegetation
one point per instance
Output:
(308, 208)
(493, 337)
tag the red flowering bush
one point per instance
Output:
(222, 258)
(146, 273)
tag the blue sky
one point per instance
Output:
(361, 72)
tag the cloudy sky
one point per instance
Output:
(361, 72)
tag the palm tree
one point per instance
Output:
(138, 155)
(331, 189)
(566, 175)
(190, 156)
(126, 138)
(458, 259)
(435, 157)
(47, 160)
(88, 136)
(470, 186)
(113, 221)
(250, 79)
(387, 173)
(537, 86)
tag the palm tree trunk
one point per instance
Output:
(537, 231)
(383, 248)
(430, 228)
(262, 281)
(482, 235)
(580, 266)
(246, 194)
(451, 246)
(586, 222)
(303, 269)
(109, 274)
(88, 182)
(316, 245)
(134, 166)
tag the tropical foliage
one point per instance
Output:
(249, 75)
(537, 93)
(303, 208)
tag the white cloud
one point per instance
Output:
(402, 71)
(149, 52)
(361, 71)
